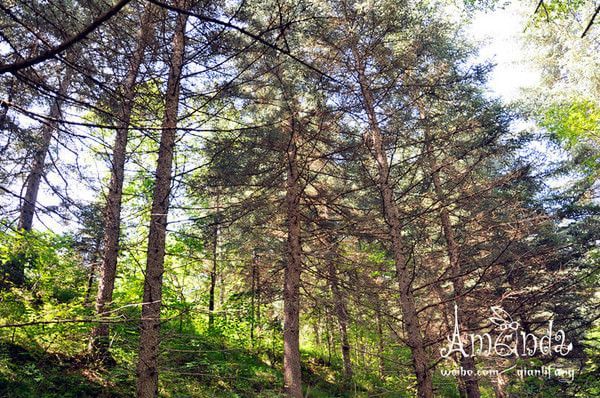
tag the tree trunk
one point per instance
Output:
(255, 316)
(215, 268)
(90, 284)
(414, 338)
(92, 274)
(4, 106)
(329, 335)
(221, 277)
(380, 342)
(147, 368)
(213, 282)
(14, 271)
(291, 292)
(341, 312)
(317, 332)
(112, 217)
(339, 303)
(39, 157)
(470, 383)
(499, 386)
(253, 300)
(258, 299)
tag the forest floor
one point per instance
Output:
(205, 370)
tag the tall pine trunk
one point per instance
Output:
(39, 157)
(341, 312)
(215, 266)
(469, 382)
(380, 342)
(255, 315)
(92, 274)
(112, 216)
(13, 272)
(339, 303)
(414, 337)
(147, 368)
(291, 292)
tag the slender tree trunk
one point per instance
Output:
(414, 337)
(112, 217)
(449, 324)
(215, 268)
(499, 386)
(213, 282)
(341, 312)
(255, 318)
(329, 335)
(39, 157)
(339, 302)
(92, 274)
(380, 343)
(258, 298)
(147, 368)
(253, 300)
(291, 292)
(317, 332)
(470, 383)
(14, 271)
(221, 277)
(362, 349)
(4, 106)
(90, 284)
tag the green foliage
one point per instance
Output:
(551, 10)
(574, 122)
(40, 356)
(589, 379)
(33, 374)
(576, 125)
(51, 264)
(54, 289)
(414, 59)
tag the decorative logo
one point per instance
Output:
(509, 340)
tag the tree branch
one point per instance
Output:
(14, 67)
(589, 25)
(254, 36)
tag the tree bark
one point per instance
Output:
(291, 292)
(4, 106)
(215, 268)
(14, 271)
(39, 157)
(147, 368)
(414, 338)
(380, 342)
(329, 335)
(93, 265)
(341, 312)
(499, 386)
(253, 301)
(255, 316)
(112, 217)
(339, 303)
(470, 383)
(258, 298)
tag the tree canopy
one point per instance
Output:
(206, 198)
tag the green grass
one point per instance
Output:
(192, 366)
